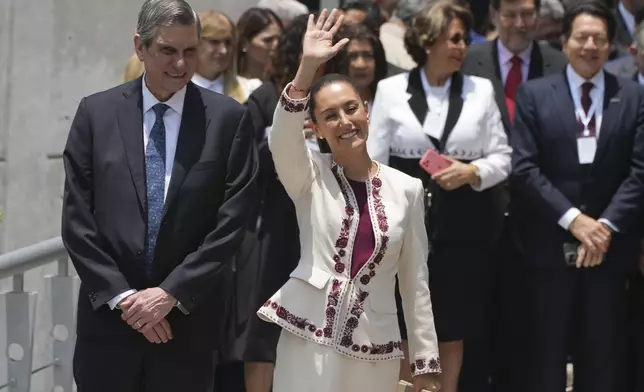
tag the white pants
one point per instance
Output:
(304, 366)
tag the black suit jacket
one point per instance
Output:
(206, 210)
(547, 179)
(483, 60)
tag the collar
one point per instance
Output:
(576, 81)
(629, 19)
(175, 102)
(426, 86)
(505, 55)
(207, 83)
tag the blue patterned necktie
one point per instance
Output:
(155, 176)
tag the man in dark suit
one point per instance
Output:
(625, 15)
(578, 177)
(159, 177)
(507, 61)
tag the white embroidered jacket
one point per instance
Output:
(321, 302)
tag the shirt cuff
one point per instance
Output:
(609, 224)
(182, 308)
(568, 217)
(113, 303)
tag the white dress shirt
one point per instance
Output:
(216, 85)
(629, 18)
(596, 95)
(437, 104)
(640, 78)
(172, 122)
(505, 61)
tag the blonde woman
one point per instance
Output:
(133, 69)
(217, 52)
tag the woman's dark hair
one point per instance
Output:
(252, 22)
(287, 54)
(374, 18)
(595, 8)
(315, 89)
(432, 22)
(340, 63)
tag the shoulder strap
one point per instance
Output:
(454, 110)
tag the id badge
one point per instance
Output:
(586, 148)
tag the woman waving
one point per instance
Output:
(361, 223)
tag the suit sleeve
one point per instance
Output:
(80, 233)
(629, 198)
(527, 180)
(199, 272)
(379, 140)
(414, 290)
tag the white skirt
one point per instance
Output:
(304, 366)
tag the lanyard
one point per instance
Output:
(582, 116)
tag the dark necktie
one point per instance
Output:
(155, 180)
(586, 102)
(512, 83)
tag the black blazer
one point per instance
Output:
(483, 60)
(547, 179)
(104, 208)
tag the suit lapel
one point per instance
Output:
(417, 100)
(562, 100)
(537, 63)
(493, 68)
(130, 120)
(191, 138)
(610, 115)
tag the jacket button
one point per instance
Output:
(583, 207)
(139, 253)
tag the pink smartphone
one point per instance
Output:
(433, 162)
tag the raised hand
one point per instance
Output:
(317, 46)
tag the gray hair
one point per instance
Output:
(286, 10)
(163, 13)
(552, 9)
(407, 9)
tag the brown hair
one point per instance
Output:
(213, 24)
(430, 23)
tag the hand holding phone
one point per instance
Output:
(432, 162)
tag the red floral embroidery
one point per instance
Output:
(293, 106)
(382, 225)
(431, 365)
(333, 300)
(343, 239)
(299, 322)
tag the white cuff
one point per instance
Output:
(568, 217)
(609, 224)
(113, 303)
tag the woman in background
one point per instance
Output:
(258, 30)
(216, 69)
(133, 69)
(362, 59)
(436, 107)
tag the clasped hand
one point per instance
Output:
(595, 238)
(456, 175)
(146, 310)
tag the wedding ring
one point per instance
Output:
(137, 325)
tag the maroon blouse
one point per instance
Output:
(365, 241)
